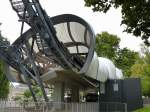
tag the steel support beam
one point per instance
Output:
(40, 82)
(28, 81)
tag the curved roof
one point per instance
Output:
(77, 36)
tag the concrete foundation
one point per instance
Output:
(75, 94)
(58, 95)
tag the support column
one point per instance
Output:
(75, 94)
(58, 92)
(58, 95)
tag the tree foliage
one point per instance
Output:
(141, 69)
(4, 83)
(125, 60)
(146, 86)
(135, 14)
(137, 70)
(28, 96)
(107, 45)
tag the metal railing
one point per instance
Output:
(15, 106)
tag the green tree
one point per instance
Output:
(137, 70)
(141, 69)
(146, 52)
(4, 83)
(125, 59)
(146, 85)
(28, 96)
(107, 45)
(135, 14)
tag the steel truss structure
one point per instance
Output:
(41, 47)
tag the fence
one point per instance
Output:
(13, 106)
(146, 101)
(112, 107)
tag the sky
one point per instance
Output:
(109, 22)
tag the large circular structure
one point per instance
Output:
(77, 36)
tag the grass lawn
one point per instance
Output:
(144, 109)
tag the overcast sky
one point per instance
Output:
(109, 22)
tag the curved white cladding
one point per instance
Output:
(102, 69)
(103, 72)
(93, 67)
(119, 73)
(109, 66)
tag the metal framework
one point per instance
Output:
(41, 48)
